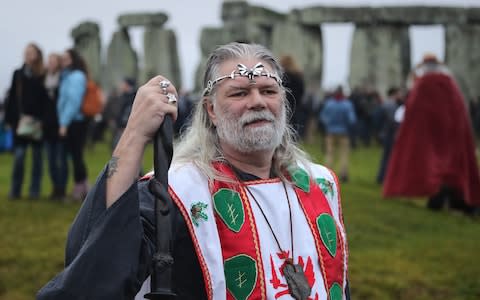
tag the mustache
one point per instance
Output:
(250, 117)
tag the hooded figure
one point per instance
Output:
(434, 152)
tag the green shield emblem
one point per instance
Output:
(328, 232)
(335, 292)
(240, 275)
(300, 178)
(228, 205)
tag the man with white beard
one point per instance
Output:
(254, 218)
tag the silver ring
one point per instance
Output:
(172, 99)
(164, 84)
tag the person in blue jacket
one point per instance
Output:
(338, 116)
(72, 123)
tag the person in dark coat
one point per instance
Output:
(394, 99)
(127, 89)
(27, 96)
(293, 81)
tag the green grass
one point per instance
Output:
(398, 249)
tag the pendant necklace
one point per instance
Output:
(297, 282)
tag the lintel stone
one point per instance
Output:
(143, 19)
(240, 11)
(391, 15)
(264, 16)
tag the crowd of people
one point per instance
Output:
(43, 111)
(239, 152)
(426, 132)
(425, 126)
(52, 94)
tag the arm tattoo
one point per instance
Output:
(112, 166)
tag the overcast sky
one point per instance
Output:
(48, 23)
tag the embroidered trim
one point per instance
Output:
(236, 263)
(196, 245)
(316, 239)
(340, 213)
(251, 233)
(229, 207)
(335, 292)
(326, 186)
(328, 232)
(146, 176)
(197, 214)
(262, 181)
(261, 273)
(300, 178)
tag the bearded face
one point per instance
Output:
(251, 131)
(248, 107)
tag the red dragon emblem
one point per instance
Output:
(277, 284)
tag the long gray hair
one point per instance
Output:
(200, 143)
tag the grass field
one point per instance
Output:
(398, 249)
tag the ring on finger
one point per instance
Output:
(172, 99)
(164, 84)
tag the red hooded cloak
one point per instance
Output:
(434, 145)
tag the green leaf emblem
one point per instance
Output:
(335, 292)
(240, 275)
(326, 186)
(328, 232)
(300, 178)
(229, 207)
(197, 213)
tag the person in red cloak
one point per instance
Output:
(434, 152)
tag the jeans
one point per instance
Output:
(18, 169)
(57, 163)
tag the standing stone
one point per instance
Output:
(234, 17)
(121, 60)
(210, 38)
(161, 55)
(303, 43)
(463, 57)
(241, 23)
(380, 56)
(87, 42)
(248, 23)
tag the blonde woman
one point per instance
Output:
(27, 96)
(53, 144)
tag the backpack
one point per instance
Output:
(6, 138)
(92, 101)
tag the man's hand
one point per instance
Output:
(148, 112)
(149, 109)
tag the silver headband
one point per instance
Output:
(243, 71)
